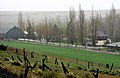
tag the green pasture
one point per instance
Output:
(100, 58)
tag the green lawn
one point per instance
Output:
(100, 58)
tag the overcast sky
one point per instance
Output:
(56, 5)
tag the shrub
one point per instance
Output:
(49, 75)
(87, 75)
(79, 68)
(92, 70)
(112, 73)
(70, 76)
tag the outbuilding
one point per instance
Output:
(101, 39)
(14, 33)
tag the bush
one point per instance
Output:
(105, 72)
(79, 68)
(112, 73)
(93, 70)
(70, 76)
(49, 75)
(87, 75)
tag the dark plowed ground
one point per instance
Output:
(5, 74)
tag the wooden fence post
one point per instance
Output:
(111, 66)
(56, 62)
(96, 75)
(64, 68)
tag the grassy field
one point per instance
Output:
(100, 58)
(56, 72)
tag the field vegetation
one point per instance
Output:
(79, 63)
(100, 58)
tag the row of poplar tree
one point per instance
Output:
(73, 30)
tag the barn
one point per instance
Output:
(14, 33)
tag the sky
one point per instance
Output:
(56, 5)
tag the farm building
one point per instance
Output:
(101, 39)
(14, 33)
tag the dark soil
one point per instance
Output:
(5, 74)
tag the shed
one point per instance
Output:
(14, 33)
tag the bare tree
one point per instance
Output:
(94, 28)
(93, 32)
(46, 29)
(50, 30)
(60, 30)
(20, 21)
(39, 30)
(30, 29)
(81, 25)
(71, 26)
(117, 36)
(112, 23)
(55, 33)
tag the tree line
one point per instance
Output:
(73, 30)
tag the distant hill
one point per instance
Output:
(10, 18)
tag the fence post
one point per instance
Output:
(64, 69)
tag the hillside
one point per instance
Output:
(25, 62)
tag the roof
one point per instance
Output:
(14, 33)
(113, 44)
(13, 28)
(100, 33)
